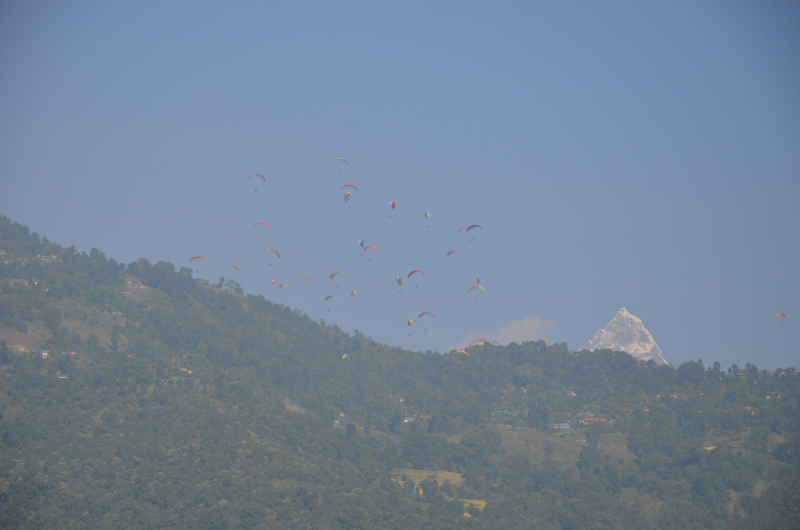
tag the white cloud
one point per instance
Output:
(519, 331)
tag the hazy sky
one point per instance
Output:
(615, 154)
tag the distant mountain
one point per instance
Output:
(626, 333)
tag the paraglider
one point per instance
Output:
(275, 251)
(780, 315)
(198, 257)
(273, 282)
(399, 280)
(352, 294)
(476, 280)
(331, 296)
(306, 277)
(233, 267)
(453, 251)
(361, 243)
(427, 214)
(32, 232)
(476, 287)
(283, 285)
(415, 270)
(373, 247)
(346, 356)
(477, 340)
(461, 351)
(258, 175)
(410, 321)
(334, 273)
(255, 225)
(347, 196)
(340, 159)
(349, 185)
(392, 204)
(426, 313)
(469, 227)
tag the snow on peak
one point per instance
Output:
(626, 333)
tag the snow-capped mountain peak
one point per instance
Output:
(626, 333)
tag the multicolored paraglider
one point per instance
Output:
(346, 356)
(258, 175)
(415, 271)
(255, 225)
(233, 267)
(347, 196)
(198, 257)
(481, 341)
(275, 251)
(392, 204)
(283, 285)
(410, 321)
(334, 273)
(304, 277)
(427, 214)
(426, 313)
(361, 242)
(331, 296)
(349, 186)
(476, 287)
(476, 280)
(453, 251)
(469, 227)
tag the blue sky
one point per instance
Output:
(618, 154)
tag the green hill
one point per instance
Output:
(168, 402)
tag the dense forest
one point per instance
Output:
(136, 396)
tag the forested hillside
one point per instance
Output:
(165, 401)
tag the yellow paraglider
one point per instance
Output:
(334, 273)
(275, 251)
(399, 280)
(461, 351)
(410, 321)
(258, 175)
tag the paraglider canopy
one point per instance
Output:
(233, 267)
(476, 287)
(258, 175)
(341, 160)
(461, 351)
(399, 280)
(331, 296)
(350, 186)
(426, 313)
(255, 225)
(780, 315)
(275, 251)
(198, 257)
(346, 356)
(373, 247)
(477, 340)
(306, 277)
(334, 273)
(453, 251)
(410, 321)
(347, 196)
(361, 242)
(392, 204)
(353, 293)
(414, 271)
(427, 214)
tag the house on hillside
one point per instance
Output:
(562, 426)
